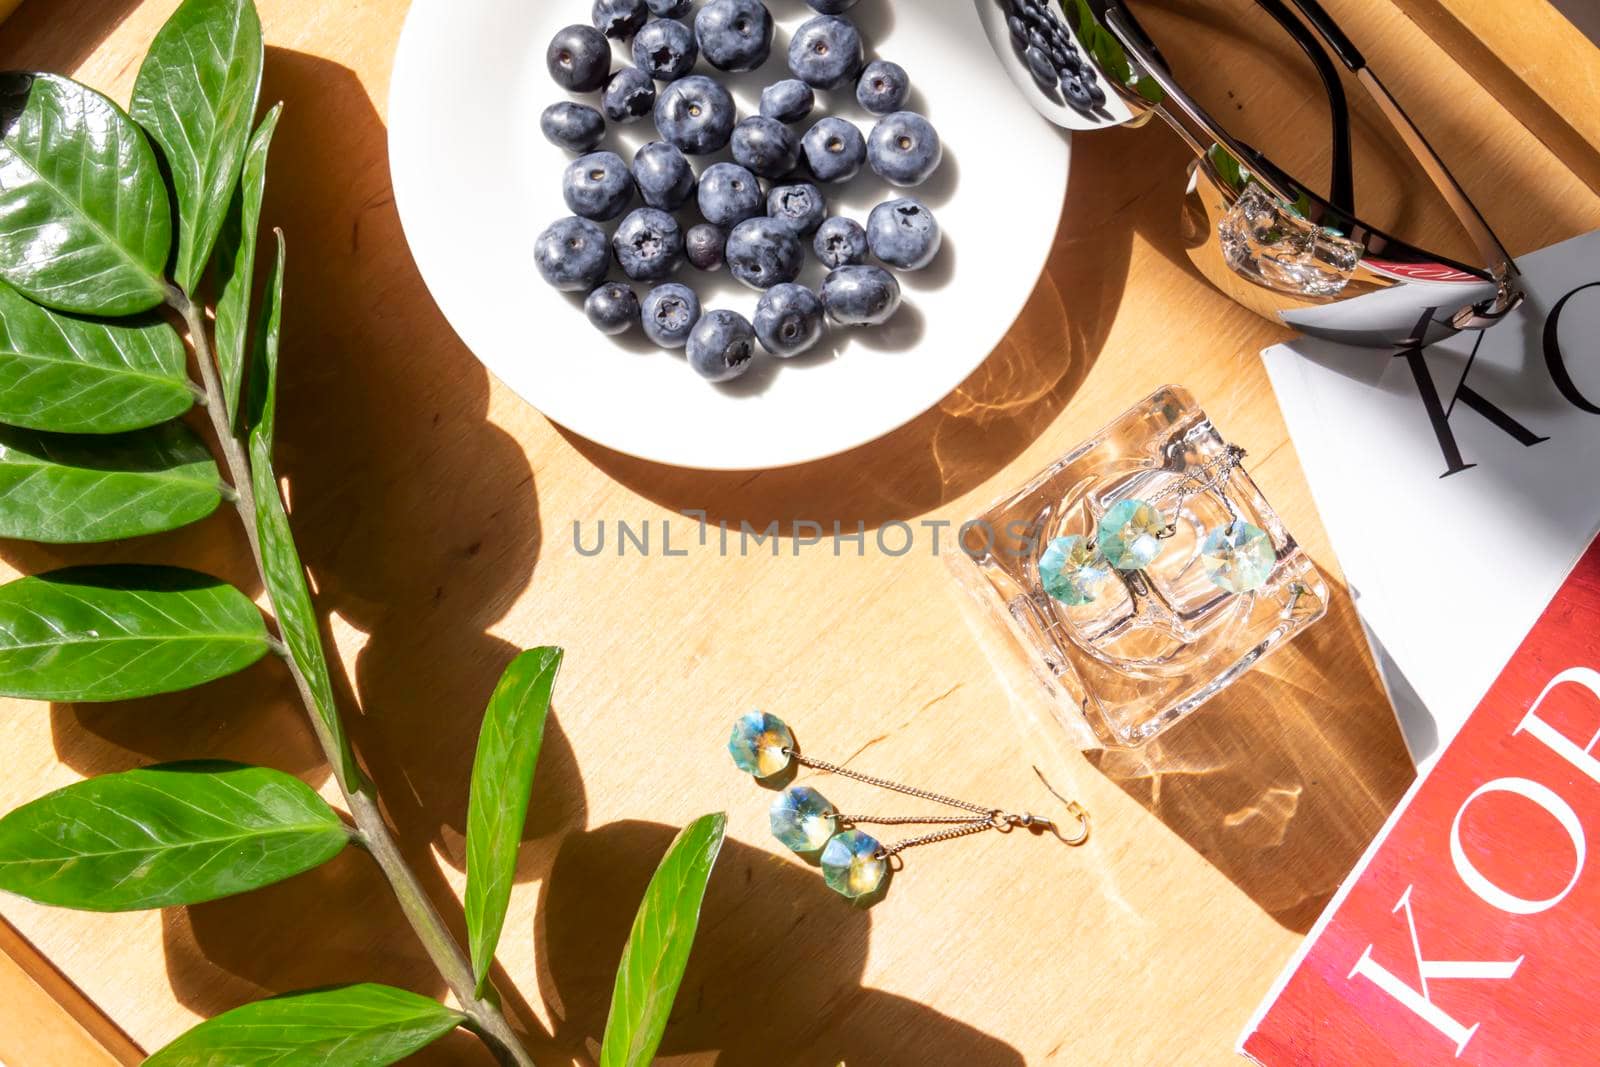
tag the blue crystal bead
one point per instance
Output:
(803, 819)
(1238, 557)
(1129, 535)
(1071, 570)
(851, 864)
(760, 744)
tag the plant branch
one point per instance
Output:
(360, 795)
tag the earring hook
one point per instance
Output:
(1075, 809)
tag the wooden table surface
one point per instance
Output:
(435, 510)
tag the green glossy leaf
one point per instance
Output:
(71, 489)
(263, 415)
(180, 833)
(348, 1026)
(502, 778)
(1226, 166)
(658, 945)
(285, 579)
(85, 224)
(236, 262)
(67, 374)
(196, 94)
(118, 632)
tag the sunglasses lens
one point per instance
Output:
(1267, 243)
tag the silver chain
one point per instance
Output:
(1216, 474)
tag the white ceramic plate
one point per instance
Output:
(475, 183)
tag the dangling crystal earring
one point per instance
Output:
(856, 864)
(1237, 557)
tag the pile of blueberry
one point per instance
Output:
(758, 211)
(1040, 36)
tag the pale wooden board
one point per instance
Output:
(436, 509)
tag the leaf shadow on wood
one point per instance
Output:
(418, 521)
(60, 34)
(1123, 183)
(1282, 779)
(774, 978)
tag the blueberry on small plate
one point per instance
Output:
(721, 345)
(825, 52)
(619, 19)
(764, 252)
(787, 101)
(904, 149)
(734, 35)
(629, 96)
(765, 147)
(840, 242)
(696, 114)
(788, 319)
(663, 175)
(834, 149)
(572, 254)
(579, 59)
(729, 194)
(903, 233)
(597, 186)
(883, 87)
(860, 296)
(575, 127)
(669, 313)
(800, 205)
(612, 308)
(665, 49)
(704, 244)
(648, 244)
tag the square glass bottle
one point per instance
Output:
(1153, 643)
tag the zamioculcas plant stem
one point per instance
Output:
(94, 447)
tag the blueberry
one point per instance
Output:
(903, 233)
(663, 175)
(860, 296)
(670, 312)
(1071, 63)
(665, 49)
(704, 244)
(669, 9)
(696, 114)
(764, 252)
(834, 150)
(630, 95)
(831, 7)
(721, 345)
(904, 148)
(648, 244)
(1019, 31)
(788, 319)
(1040, 67)
(787, 101)
(734, 35)
(1077, 92)
(612, 308)
(597, 186)
(883, 87)
(825, 52)
(765, 147)
(800, 205)
(729, 194)
(579, 59)
(1097, 94)
(840, 242)
(619, 19)
(572, 254)
(575, 127)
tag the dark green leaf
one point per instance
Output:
(180, 833)
(1226, 166)
(236, 262)
(72, 489)
(264, 358)
(658, 946)
(118, 632)
(72, 375)
(347, 1026)
(196, 94)
(502, 777)
(84, 220)
(285, 578)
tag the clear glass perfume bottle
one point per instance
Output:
(1154, 643)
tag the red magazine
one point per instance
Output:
(1470, 931)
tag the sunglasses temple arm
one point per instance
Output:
(1492, 252)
